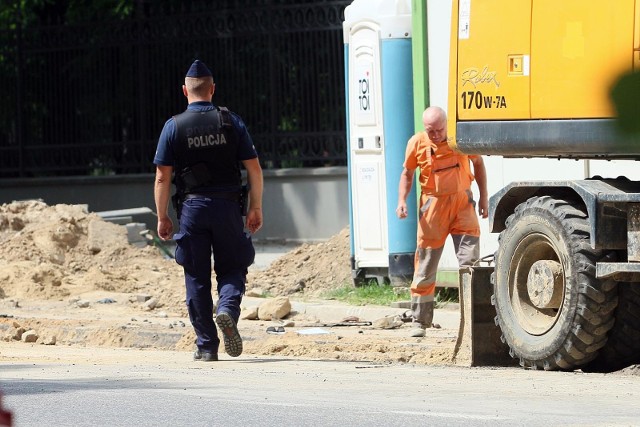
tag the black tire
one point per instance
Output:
(571, 332)
(623, 346)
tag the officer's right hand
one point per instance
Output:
(165, 228)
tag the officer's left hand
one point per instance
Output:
(254, 220)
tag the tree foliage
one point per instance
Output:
(626, 98)
(31, 12)
(88, 84)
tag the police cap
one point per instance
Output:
(198, 69)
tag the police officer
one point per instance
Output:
(202, 149)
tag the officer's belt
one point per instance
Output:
(233, 196)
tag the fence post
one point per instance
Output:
(140, 15)
(19, 94)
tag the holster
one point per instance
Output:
(176, 201)
(244, 200)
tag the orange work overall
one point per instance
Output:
(446, 207)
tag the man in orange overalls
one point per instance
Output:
(446, 207)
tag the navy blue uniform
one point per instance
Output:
(210, 222)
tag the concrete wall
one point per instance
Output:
(302, 205)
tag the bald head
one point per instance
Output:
(434, 120)
(434, 115)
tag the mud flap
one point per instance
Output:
(479, 342)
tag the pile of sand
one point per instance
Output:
(47, 252)
(308, 270)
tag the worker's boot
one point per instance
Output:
(417, 330)
(422, 318)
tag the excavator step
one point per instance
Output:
(479, 342)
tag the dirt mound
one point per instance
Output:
(46, 252)
(60, 251)
(308, 270)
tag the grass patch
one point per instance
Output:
(445, 296)
(369, 294)
(374, 294)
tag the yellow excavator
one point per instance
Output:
(534, 79)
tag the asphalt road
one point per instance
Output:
(69, 386)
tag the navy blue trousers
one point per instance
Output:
(212, 226)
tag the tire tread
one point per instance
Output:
(593, 316)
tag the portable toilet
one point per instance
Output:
(380, 121)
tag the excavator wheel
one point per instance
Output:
(623, 346)
(553, 312)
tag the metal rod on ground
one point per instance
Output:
(151, 236)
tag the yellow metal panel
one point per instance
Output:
(636, 39)
(452, 103)
(578, 49)
(493, 40)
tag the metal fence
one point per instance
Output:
(90, 98)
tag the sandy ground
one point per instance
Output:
(69, 278)
(74, 280)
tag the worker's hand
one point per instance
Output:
(254, 220)
(165, 228)
(401, 210)
(483, 207)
